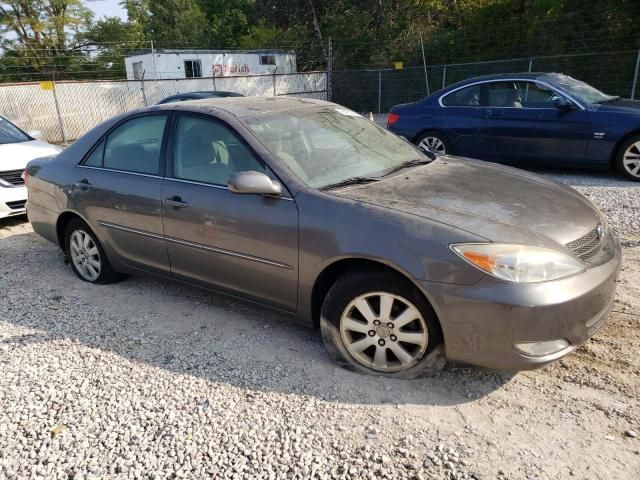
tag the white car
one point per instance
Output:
(17, 148)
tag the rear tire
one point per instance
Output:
(435, 142)
(86, 255)
(398, 335)
(628, 158)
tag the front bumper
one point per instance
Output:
(482, 323)
(12, 201)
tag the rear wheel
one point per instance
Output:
(86, 255)
(628, 158)
(378, 323)
(434, 142)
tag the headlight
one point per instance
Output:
(519, 263)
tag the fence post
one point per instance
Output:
(530, 64)
(330, 71)
(635, 77)
(60, 122)
(424, 63)
(379, 91)
(444, 76)
(144, 93)
(274, 82)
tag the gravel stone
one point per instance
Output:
(147, 379)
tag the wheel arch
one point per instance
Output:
(616, 149)
(339, 267)
(61, 224)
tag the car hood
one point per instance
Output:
(498, 203)
(14, 156)
(621, 105)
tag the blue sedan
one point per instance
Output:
(532, 119)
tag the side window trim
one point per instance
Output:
(105, 138)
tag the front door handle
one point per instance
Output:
(83, 184)
(494, 113)
(175, 202)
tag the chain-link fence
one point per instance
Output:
(377, 90)
(63, 111)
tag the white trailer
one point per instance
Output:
(173, 64)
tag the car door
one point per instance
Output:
(526, 127)
(118, 187)
(242, 244)
(465, 121)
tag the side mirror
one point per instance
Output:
(562, 103)
(35, 134)
(252, 182)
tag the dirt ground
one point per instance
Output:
(578, 418)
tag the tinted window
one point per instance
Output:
(208, 151)
(465, 97)
(135, 145)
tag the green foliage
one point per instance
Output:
(61, 37)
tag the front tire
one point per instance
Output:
(86, 255)
(378, 323)
(628, 158)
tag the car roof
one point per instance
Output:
(245, 106)
(498, 76)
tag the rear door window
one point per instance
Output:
(135, 146)
(465, 97)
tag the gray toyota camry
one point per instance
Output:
(308, 208)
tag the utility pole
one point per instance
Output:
(424, 63)
(329, 71)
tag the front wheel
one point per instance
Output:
(378, 323)
(628, 158)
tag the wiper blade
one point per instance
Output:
(410, 163)
(350, 181)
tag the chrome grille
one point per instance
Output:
(14, 177)
(586, 247)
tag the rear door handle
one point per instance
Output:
(175, 202)
(82, 184)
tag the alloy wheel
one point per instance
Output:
(433, 144)
(631, 159)
(384, 331)
(85, 255)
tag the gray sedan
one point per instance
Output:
(305, 207)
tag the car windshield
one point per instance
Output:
(329, 145)
(9, 133)
(583, 92)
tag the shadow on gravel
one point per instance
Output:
(190, 332)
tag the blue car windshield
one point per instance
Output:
(581, 91)
(9, 133)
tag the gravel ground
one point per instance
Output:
(147, 379)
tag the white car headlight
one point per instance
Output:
(519, 263)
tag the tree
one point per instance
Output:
(41, 36)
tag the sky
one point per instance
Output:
(106, 8)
